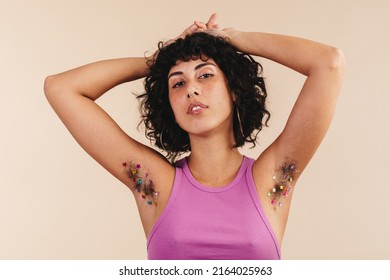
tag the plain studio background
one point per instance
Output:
(57, 203)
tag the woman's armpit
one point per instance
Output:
(140, 182)
(283, 182)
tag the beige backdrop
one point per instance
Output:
(57, 203)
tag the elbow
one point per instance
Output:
(336, 60)
(53, 86)
(49, 85)
(329, 60)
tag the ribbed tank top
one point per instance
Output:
(223, 223)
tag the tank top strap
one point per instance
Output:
(171, 200)
(256, 200)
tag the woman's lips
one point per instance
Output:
(196, 108)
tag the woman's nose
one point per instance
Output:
(192, 89)
(192, 94)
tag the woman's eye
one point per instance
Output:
(178, 84)
(206, 75)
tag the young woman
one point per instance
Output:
(204, 95)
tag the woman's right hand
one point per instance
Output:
(197, 26)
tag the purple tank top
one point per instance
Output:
(201, 222)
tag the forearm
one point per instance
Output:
(92, 80)
(301, 55)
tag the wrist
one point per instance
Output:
(231, 33)
(235, 37)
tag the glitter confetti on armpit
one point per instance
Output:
(141, 183)
(283, 183)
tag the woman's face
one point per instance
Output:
(200, 97)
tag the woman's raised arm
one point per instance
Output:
(312, 113)
(72, 95)
(92, 80)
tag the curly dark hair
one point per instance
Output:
(244, 78)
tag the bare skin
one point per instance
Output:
(72, 95)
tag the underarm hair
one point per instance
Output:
(283, 183)
(140, 183)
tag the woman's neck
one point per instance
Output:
(214, 162)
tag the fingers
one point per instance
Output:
(190, 30)
(200, 25)
(209, 25)
(211, 22)
(197, 26)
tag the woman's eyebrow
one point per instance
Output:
(203, 64)
(196, 68)
(174, 74)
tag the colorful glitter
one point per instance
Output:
(141, 183)
(283, 180)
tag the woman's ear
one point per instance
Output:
(234, 96)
